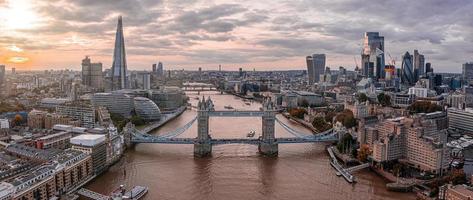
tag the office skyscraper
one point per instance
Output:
(119, 69)
(154, 68)
(92, 74)
(315, 67)
(160, 69)
(373, 52)
(419, 62)
(407, 71)
(428, 68)
(2, 74)
(467, 73)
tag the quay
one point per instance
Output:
(345, 172)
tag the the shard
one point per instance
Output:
(119, 69)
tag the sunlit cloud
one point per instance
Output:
(14, 48)
(205, 33)
(18, 59)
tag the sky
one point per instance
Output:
(252, 34)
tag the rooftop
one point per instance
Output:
(88, 139)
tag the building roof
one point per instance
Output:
(89, 140)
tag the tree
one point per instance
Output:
(329, 116)
(298, 113)
(346, 118)
(362, 97)
(320, 124)
(137, 120)
(18, 119)
(345, 143)
(384, 100)
(424, 107)
(364, 153)
(304, 103)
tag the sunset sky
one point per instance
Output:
(186, 34)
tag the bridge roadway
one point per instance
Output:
(236, 113)
(231, 141)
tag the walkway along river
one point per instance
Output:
(301, 171)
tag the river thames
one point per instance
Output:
(237, 171)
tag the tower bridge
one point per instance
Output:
(267, 142)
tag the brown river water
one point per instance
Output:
(237, 171)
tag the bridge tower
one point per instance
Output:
(203, 146)
(268, 145)
(127, 134)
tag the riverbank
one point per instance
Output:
(301, 122)
(165, 118)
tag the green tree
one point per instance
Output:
(424, 107)
(137, 120)
(384, 100)
(346, 143)
(362, 97)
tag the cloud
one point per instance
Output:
(206, 32)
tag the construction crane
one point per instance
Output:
(392, 61)
(356, 62)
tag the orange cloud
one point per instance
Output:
(17, 59)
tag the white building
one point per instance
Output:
(460, 119)
(418, 91)
(4, 123)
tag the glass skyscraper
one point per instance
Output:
(315, 67)
(407, 71)
(467, 73)
(419, 64)
(373, 52)
(119, 70)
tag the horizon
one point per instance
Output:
(42, 35)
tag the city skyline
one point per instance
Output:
(42, 35)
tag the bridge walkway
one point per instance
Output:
(92, 195)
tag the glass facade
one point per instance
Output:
(147, 109)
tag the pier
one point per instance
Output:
(345, 172)
(92, 195)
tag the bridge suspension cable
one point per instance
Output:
(168, 135)
(302, 135)
(179, 130)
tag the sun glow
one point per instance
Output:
(19, 14)
(18, 59)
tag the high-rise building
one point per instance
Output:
(92, 74)
(428, 68)
(154, 68)
(13, 70)
(467, 73)
(419, 62)
(310, 70)
(407, 72)
(119, 69)
(373, 52)
(2, 74)
(315, 67)
(146, 79)
(160, 70)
